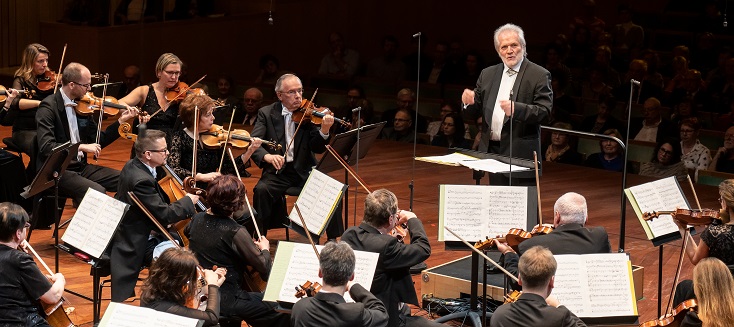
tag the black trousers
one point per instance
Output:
(74, 183)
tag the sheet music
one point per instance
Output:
(491, 166)
(477, 211)
(94, 222)
(124, 315)
(317, 201)
(661, 195)
(595, 285)
(295, 263)
(453, 159)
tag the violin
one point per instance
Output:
(180, 90)
(675, 317)
(400, 232)
(513, 296)
(309, 111)
(217, 136)
(308, 289)
(4, 93)
(687, 216)
(90, 104)
(542, 229)
(47, 81)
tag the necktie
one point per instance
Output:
(511, 72)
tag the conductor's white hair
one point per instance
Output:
(572, 208)
(509, 27)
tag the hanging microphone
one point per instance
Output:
(356, 109)
(635, 82)
(270, 18)
(416, 35)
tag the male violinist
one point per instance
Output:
(131, 238)
(292, 167)
(535, 307)
(392, 283)
(58, 123)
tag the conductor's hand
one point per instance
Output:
(93, 148)
(194, 198)
(507, 106)
(262, 243)
(213, 278)
(326, 123)
(467, 97)
(276, 160)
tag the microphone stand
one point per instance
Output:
(356, 165)
(624, 169)
(415, 121)
(512, 118)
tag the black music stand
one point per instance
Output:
(522, 162)
(352, 146)
(49, 176)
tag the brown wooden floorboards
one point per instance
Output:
(388, 165)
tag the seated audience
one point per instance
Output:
(666, 161)
(175, 285)
(269, 70)
(652, 127)
(402, 128)
(723, 161)
(559, 150)
(405, 100)
(603, 120)
(340, 62)
(611, 156)
(452, 133)
(387, 68)
(695, 155)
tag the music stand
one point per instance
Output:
(352, 146)
(49, 176)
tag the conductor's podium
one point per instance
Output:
(453, 280)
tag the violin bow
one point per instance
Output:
(184, 90)
(285, 154)
(537, 187)
(196, 143)
(61, 64)
(147, 212)
(347, 167)
(101, 110)
(695, 196)
(483, 255)
(305, 228)
(247, 200)
(28, 246)
(225, 148)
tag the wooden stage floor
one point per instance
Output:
(388, 165)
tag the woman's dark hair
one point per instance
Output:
(675, 156)
(172, 277)
(459, 128)
(225, 194)
(12, 219)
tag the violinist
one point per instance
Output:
(535, 307)
(714, 293)
(570, 235)
(173, 281)
(717, 239)
(392, 283)
(151, 98)
(22, 284)
(234, 249)
(130, 240)
(291, 166)
(22, 117)
(58, 123)
(328, 307)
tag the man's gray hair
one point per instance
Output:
(279, 83)
(337, 263)
(572, 208)
(509, 28)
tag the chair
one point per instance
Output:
(11, 146)
(713, 178)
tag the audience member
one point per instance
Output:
(387, 68)
(269, 70)
(406, 101)
(647, 88)
(559, 150)
(603, 62)
(723, 161)
(469, 70)
(603, 120)
(401, 129)
(340, 62)
(434, 127)
(652, 127)
(554, 64)
(225, 86)
(695, 155)
(628, 37)
(594, 87)
(666, 161)
(441, 71)
(130, 80)
(611, 156)
(452, 132)
(563, 105)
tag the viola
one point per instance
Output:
(47, 81)
(180, 90)
(24, 93)
(400, 232)
(309, 111)
(513, 296)
(217, 136)
(308, 289)
(687, 216)
(675, 317)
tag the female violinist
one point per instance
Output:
(21, 113)
(152, 98)
(173, 281)
(713, 288)
(233, 249)
(22, 284)
(717, 240)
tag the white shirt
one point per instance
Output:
(648, 133)
(290, 131)
(498, 115)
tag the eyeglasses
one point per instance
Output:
(666, 152)
(686, 131)
(85, 86)
(172, 72)
(161, 151)
(728, 136)
(293, 92)
(27, 225)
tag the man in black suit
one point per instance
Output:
(652, 127)
(58, 123)
(516, 88)
(328, 307)
(534, 307)
(569, 236)
(131, 238)
(291, 166)
(392, 283)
